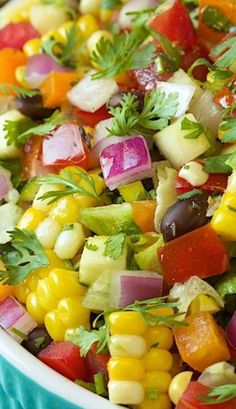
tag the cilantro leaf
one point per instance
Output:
(39, 342)
(228, 126)
(26, 256)
(172, 51)
(130, 228)
(71, 186)
(195, 128)
(110, 4)
(91, 247)
(215, 19)
(85, 339)
(157, 110)
(225, 53)
(140, 18)
(114, 246)
(217, 164)
(20, 131)
(19, 91)
(190, 194)
(220, 394)
(122, 53)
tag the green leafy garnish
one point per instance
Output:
(20, 131)
(220, 394)
(215, 19)
(225, 53)
(100, 384)
(66, 53)
(85, 339)
(172, 51)
(217, 164)
(190, 194)
(86, 385)
(70, 186)
(228, 126)
(145, 308)
(195, 128)
(27, 255)
(122, 53)
(39, 342)
(19, 333)
(19, 91)
(157, 110)
(15, 168)
(110, 4)
(91, 247)
(140, 18)
(114, 246)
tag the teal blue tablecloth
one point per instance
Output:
(19, 392)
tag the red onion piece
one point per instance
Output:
(129, 286)
(126, 161)
(5, 182)
(39, 67)
(230, 331)
(94, 158)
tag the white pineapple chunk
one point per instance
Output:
(47, 17)
(90, 95)
(206, 111)
(185, 94)
(175, 147)
(8, 151)
(10, 214)
(166, 193)
(182, 78)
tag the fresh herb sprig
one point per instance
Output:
(225, 53)
(195, 128)
(215, 19)
(21, 130)
(190, 194)
(18, 91)
(228, 127)
(157, 110)
(110, 4)
(25, 256)
(114, 245)
(122, 53)
(69, 185)
(220, 394)
(85, 339)
(68, 52)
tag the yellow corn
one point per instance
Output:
(127, 322)
(32, 47)
(87, 25)
(159, 335)
(124, 368)
(65, 210)
(20, 75)
(105, 15)
(31, 219)
(47, 232)
(162, 402)
(203, 303)
(158, 359)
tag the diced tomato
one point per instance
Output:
(216, 184)
(225, 98)
(97, 363)
(32, 159)
(174, 23)
(191, 399)
(146, 78)
(92, 119)
(65, 358)
(15, 35)
(64, 148)
(197, 253)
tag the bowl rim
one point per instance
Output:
(47, 378)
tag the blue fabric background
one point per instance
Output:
(19, 392)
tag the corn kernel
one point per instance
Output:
(46, 299)
(158, 359)
(47, 232)
(32, 47)
(127, 345)
(65, 210)
(44, 205)
(69, 241)
(64, 28)
(94, 39)
(54, 326)
(54, 34)
(21, 293)
(203, 303)
(20, 74)
(127, 322)
(125, 392)
(105, 15)
(87, 25)
(34, 308)
(54, 262)
(159, 335)
(65, 283)
(31, 219)
(178, 385)
(89, 6)
(162, 402)
(130, 369)
(162, 312)
(157, 379)
(71, 312)
(32, 281)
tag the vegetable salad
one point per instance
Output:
(118, 197)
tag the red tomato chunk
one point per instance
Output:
(15, 35)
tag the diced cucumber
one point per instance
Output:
(93, 262)
(176, 148)
(30, 190)
(132, 191)
(10, 214)
(148, 258)
(8, 151)
(97, 296)
(106, 220)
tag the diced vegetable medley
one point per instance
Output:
(118, 195)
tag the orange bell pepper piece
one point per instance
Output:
(228, 8)
(56, 86)
(6, 290)
(143, 214)
(202, 342)
(10, 59)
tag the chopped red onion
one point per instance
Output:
(94, 158)
(129, 286)
(125, 161)
(39, 67)
(14, 316)
(230, 331)
(5, 182)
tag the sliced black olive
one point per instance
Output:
(33, 107)
(38, 339)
